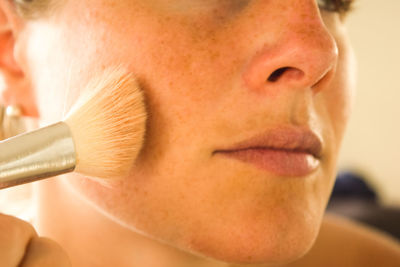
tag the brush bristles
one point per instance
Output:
(108, 125)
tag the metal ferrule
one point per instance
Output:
(36, 155)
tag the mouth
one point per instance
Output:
(284, 151)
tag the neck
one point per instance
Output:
(92, 239)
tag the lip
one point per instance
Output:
(285, 151)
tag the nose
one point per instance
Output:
(299, 52)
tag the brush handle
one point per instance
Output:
(36, 155)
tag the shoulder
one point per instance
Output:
(342, 242)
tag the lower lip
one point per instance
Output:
(278, 162)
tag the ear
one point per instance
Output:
(15, 87)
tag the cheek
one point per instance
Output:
(339, 98)
(57, 70)
(339, 101)
(39, 41)
(60, 57)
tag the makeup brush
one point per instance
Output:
(100, 137)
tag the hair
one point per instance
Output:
(34, 9)
(342, 6)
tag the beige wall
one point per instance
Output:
(372, 143)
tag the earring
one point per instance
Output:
(11, 121)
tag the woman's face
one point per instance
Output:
(215, 73)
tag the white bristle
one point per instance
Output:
(108, 125)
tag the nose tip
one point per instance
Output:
(299, 60)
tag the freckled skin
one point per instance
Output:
(203, 66)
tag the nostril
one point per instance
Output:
(289, 73)
(277, 74)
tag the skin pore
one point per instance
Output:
(204, 67)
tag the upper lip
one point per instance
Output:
(289, 138)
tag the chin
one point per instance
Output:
(269, 244)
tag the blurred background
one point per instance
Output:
(367, 188)
(372, 143)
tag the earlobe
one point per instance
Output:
(16, 88)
